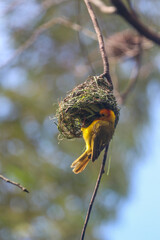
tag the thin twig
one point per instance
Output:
(101, 43)
(107, 75)
(14, 183)
(95, 192)
(133, 20)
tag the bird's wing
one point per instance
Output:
(100, 138)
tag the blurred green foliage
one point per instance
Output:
(30, 152)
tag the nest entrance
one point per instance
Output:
(82, 104)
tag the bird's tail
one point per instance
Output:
(80, 163)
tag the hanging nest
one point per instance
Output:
(130, 44)
(82, 104)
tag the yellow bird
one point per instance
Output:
(97, 135)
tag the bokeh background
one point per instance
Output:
(43, 56)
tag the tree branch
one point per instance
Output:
(132, 19)
(95, 192)
(14, 183)
(101, 43)
(43, 28)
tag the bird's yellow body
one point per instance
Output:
(97, 135)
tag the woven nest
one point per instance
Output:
(82, 104)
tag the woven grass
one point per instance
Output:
(82, 105)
